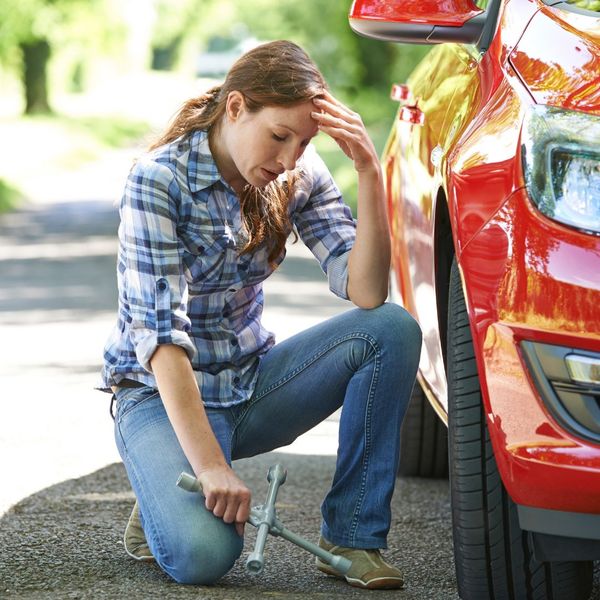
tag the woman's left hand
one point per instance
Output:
(347, 129)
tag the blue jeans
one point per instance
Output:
(363, 360)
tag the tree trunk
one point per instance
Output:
(36, 54)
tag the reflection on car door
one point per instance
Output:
(446, 86)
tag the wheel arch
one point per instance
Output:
(443, 255)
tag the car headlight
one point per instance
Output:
(561, 164)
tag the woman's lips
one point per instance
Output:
(269, 175)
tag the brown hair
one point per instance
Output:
(278, 73)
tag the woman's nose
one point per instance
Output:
(287, 159)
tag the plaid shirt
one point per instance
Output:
(182, 279)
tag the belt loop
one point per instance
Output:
(111, 410)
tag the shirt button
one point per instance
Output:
(234, 342)
(162, 285)
(236, 380)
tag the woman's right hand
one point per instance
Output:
(227, 497)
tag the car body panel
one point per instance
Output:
(517, 265)
(522, 286)
(412, 212)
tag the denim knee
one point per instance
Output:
(392, 324)
(203, 556)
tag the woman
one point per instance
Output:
(197, 379)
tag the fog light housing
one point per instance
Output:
(568, 381)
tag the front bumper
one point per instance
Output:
(528, 279)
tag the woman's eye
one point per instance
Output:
(278, 138)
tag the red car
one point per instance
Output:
(493, 191)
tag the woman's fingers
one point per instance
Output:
(328, 97)
(340, 131)
(338, 110)
(347, 129)
(330, 120)
(226, 497)
(237, 507)
(219, 507)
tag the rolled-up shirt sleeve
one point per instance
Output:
(151, 279)
(325, 223)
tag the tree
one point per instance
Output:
(29, 30)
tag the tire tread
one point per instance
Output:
(493, 556)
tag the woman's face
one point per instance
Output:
(262, 145)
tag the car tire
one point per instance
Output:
(493, 555)
(423, 440)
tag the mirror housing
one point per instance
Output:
(421, 21)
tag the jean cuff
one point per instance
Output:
(364, 543)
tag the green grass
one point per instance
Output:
(113, 132)
(63, 145)
(9, 197)
(67, 143)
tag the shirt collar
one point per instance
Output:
(202, 169)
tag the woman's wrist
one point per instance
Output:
(371, 168)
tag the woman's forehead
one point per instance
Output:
(296, 118)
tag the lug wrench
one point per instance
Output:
(264, 518)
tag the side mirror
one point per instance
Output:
(424, 21)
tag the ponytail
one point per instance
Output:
(196, 114)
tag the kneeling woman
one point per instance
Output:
(198, 381)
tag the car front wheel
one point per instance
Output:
(493, 555)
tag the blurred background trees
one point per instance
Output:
(55, 53)
(34, 33)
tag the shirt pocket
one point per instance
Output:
(257, 267)
(208, 260)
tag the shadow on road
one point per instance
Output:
(58, 262)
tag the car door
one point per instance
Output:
(444, 87)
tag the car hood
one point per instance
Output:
(558, 59)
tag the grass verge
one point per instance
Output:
(9, 197)
(42, 154)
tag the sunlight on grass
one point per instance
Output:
(47, 156)
(87, 148)
(113, 132)
(9, 196)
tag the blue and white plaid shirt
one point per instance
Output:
(182, 279)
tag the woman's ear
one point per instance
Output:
(235, 105)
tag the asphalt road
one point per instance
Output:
(60, 472)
